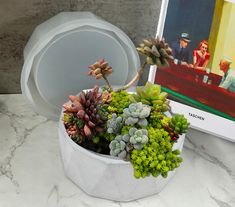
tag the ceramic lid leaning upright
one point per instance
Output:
(59, 52)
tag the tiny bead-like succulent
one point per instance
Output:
(138, 137)
(157, 51)
(136, 113)
(157, 157)
(114, 124)
(165, 120)
(68, 117)
(72, 130)
(120, 100)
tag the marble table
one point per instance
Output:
(31, 171)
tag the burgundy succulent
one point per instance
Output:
(174, 136)
(88, 118)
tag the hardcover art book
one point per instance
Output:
(201, 76)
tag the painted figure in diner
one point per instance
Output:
(201, 55)
(180, 50)
(228, 80)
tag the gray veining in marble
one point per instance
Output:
(138, 19)
(31, 172)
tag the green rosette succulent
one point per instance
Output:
(175, 126)
(136, 113)
(151, 94)
(179, 123)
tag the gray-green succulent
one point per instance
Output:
(119, 147)
(114, 124)
(138, 137)
(136, 113)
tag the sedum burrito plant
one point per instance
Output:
(130, 126)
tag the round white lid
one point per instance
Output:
(58, 54)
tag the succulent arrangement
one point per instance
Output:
(130, 126)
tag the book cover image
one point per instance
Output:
(201, 35)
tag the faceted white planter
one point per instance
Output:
(46, 84)
(106, 177)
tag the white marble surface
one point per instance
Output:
(31, 172)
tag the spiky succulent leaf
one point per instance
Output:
(157, 52)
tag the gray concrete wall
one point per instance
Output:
(18, 18)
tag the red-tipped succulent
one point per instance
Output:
(101, 69)
(84, 117)
(107, 97)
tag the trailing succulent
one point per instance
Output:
(132, 127)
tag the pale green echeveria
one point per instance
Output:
(138, 137)
(114, 124)
(118, 147)
(151, 94)
(136, 113)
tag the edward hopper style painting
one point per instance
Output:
(202, 73)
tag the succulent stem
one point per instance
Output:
(136, 78)
(105, 78)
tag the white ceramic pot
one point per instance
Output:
(104, 176)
